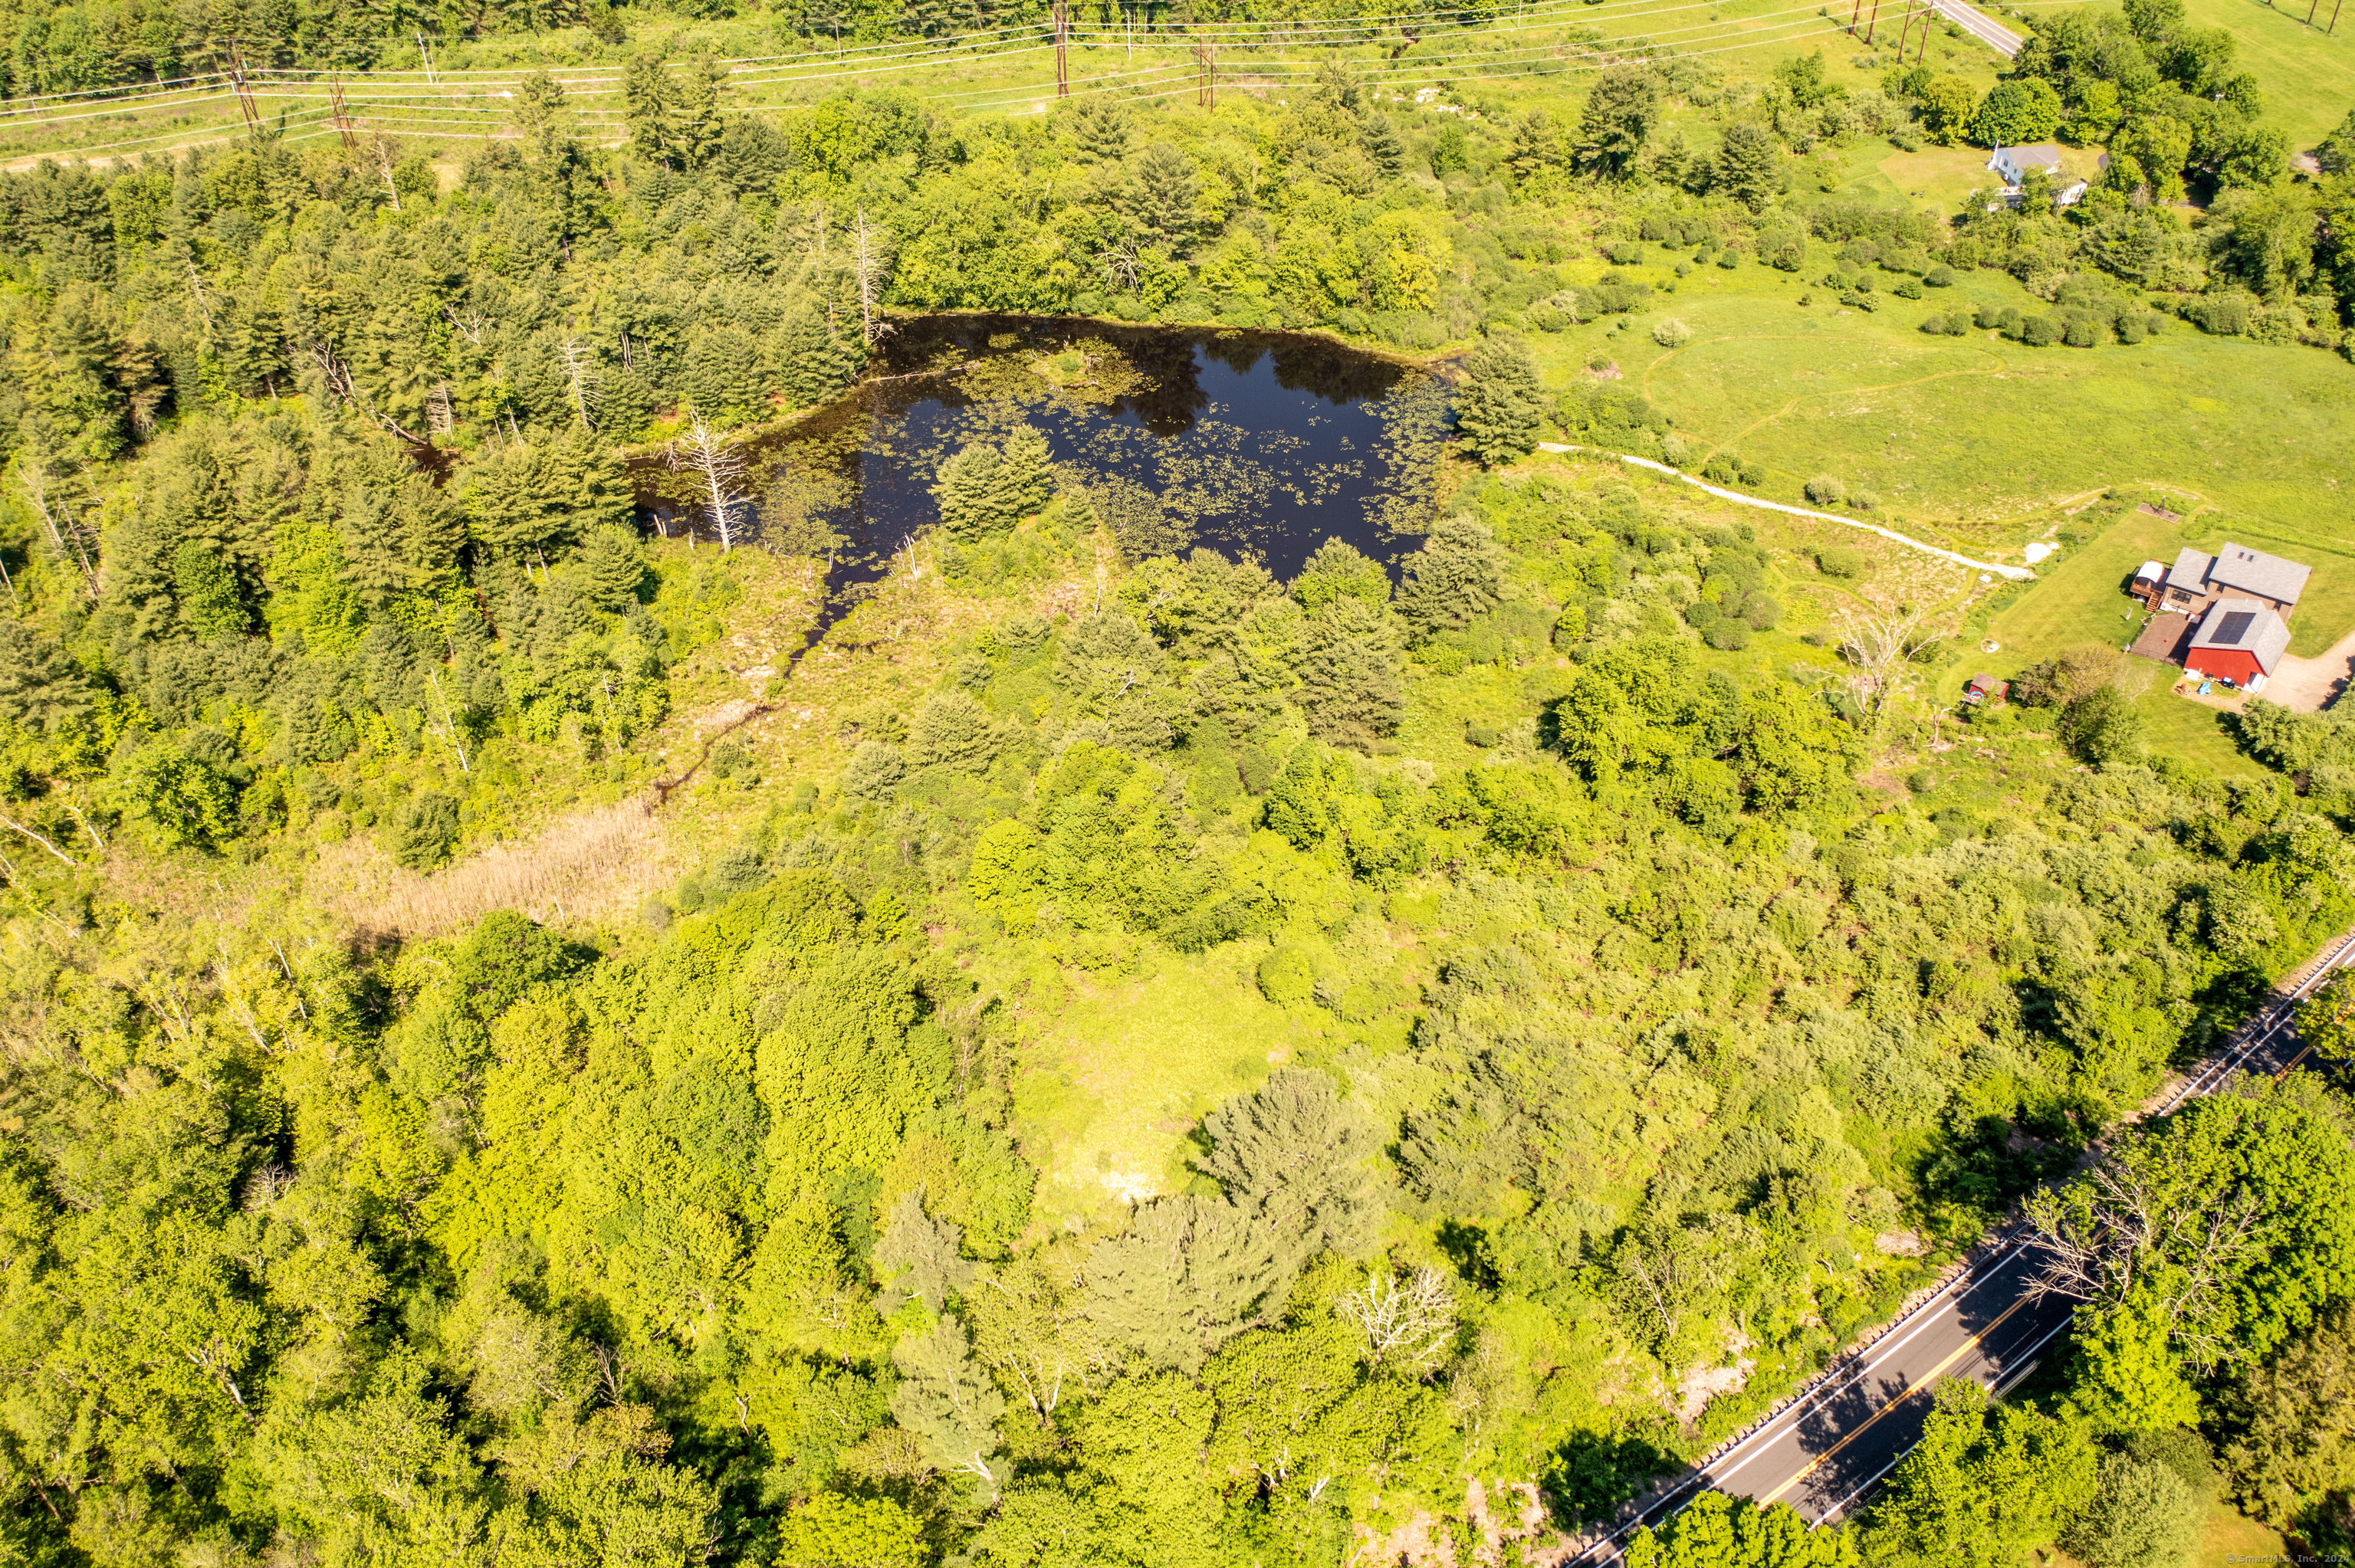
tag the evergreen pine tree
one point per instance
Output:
(1183, 1278)
(1339, 570)
(427, 827)
(813, 363)
(1026, 476)
(1101, 125)
(1294, 1158)
(611, 567)
(1349, 674)
(1745, 166)
(967, 491)
(646, 100)
(1337, 85)
(1459, 573)
(1537, 148)
(1617, 121)
(986, 489)
(1500, 407)
(41, 688)
(694, 119)
(947, 1401)
(918, 1258)
(1162, 196)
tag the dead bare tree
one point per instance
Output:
(1409, 1320)
(14, 826)
(196, 287)
(472, 323)
(449, 731)
(719, 473)
(34, 479)
(1878, 642)
(869, 263)
(341, 382)
(1120, 266)
(381, 145)
(579, 378)
(2115, 1229)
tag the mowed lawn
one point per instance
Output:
(2232, 1537)
(2081, 596)
(2308, 76)
(2185, 730)
(2080, 599)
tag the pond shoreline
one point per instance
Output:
(1260, 446)
(751, 435)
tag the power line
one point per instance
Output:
(1014, 96)
(1280, 35)
(1487, 63)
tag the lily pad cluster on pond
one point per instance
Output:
(1249, 443)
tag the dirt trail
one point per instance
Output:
(2310, 685)
(1994, 567)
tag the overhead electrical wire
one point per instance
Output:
(396, 107)
(1801, 15)
(1282, 34)
(1013, 96)
(178, 83)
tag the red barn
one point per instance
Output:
(2239, 641)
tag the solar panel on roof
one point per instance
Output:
(2234, 626)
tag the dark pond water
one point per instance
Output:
(1250, 443)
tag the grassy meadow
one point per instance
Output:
(2308, 74)
(1977, 440)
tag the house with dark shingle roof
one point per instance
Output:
(2240, 639)
(2198, 579)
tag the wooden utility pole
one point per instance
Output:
(1206, 66)
(343, 121)
(427, 56)
(1062, 45)
(2310, 10)
(1852, 12)
(1873, 23)
(242, 88)
(2334, 17)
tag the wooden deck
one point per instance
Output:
(2166, 638)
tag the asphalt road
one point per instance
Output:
(2001, 39)
(1824, 1451)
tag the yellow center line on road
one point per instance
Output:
(1934, 1374)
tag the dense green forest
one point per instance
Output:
(1651, 1044)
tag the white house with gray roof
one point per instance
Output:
(2014, 165)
